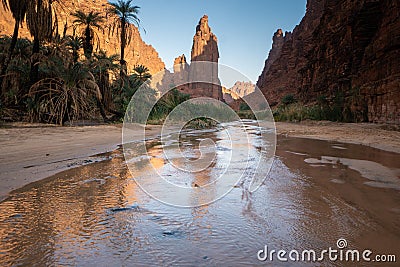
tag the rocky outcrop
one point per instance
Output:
(203, 67)
(237, 91)
(181, 70)
(342, 47)
(274, 53)
(228, 95)
(136, 53)
(180, 64)
(204, 49)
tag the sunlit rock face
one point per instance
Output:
(200, 78)
(136, 53)
(351, 47)
(204, 48)
(237, 91)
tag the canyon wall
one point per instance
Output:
(340, 47)
(136, 53)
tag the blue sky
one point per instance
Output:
(244, 28)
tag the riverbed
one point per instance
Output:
(315, 193)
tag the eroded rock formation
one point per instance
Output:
(237, 91)
(204, 49)
(181, 70)
(180, 64)
(347, 47)
(136, 53)
(200, 78)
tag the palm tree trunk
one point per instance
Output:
(123, 44)
(34, 74)
(88, 44)
(10, 52)
(123, 41)
(102, 110)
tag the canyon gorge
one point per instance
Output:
(342, 47)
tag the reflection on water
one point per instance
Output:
(316, 193)
(197, 167)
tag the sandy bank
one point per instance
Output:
(30, 152)
(373, 135)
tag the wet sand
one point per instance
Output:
(30, 152)
(384, 137)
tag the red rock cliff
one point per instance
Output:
(136, 53)
(351, 47)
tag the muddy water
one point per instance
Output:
(316, 193)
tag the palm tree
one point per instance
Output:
(88, 22)
(16, 78)
(41, 20)
(125, 18)
(140, 74)
(102, 66)
(135, 81)
(18, 10)
(74, 43)
(67, 93)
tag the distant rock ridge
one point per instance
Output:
(239, 90)
(351, 47)
(136, 53)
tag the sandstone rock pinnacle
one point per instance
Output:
(205, 48)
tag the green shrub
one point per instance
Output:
(246, 114)
(338, 108)
(244, 106)
(165, 105)
(201, 123)
(288, 99)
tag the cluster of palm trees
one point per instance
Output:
(47, 79)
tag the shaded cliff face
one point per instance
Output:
(347, 47)
(181, 70)
(136, 53)
(288, 56)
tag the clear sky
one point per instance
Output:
(244, 28)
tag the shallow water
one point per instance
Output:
(315, 193)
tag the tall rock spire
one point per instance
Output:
(205, 49)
